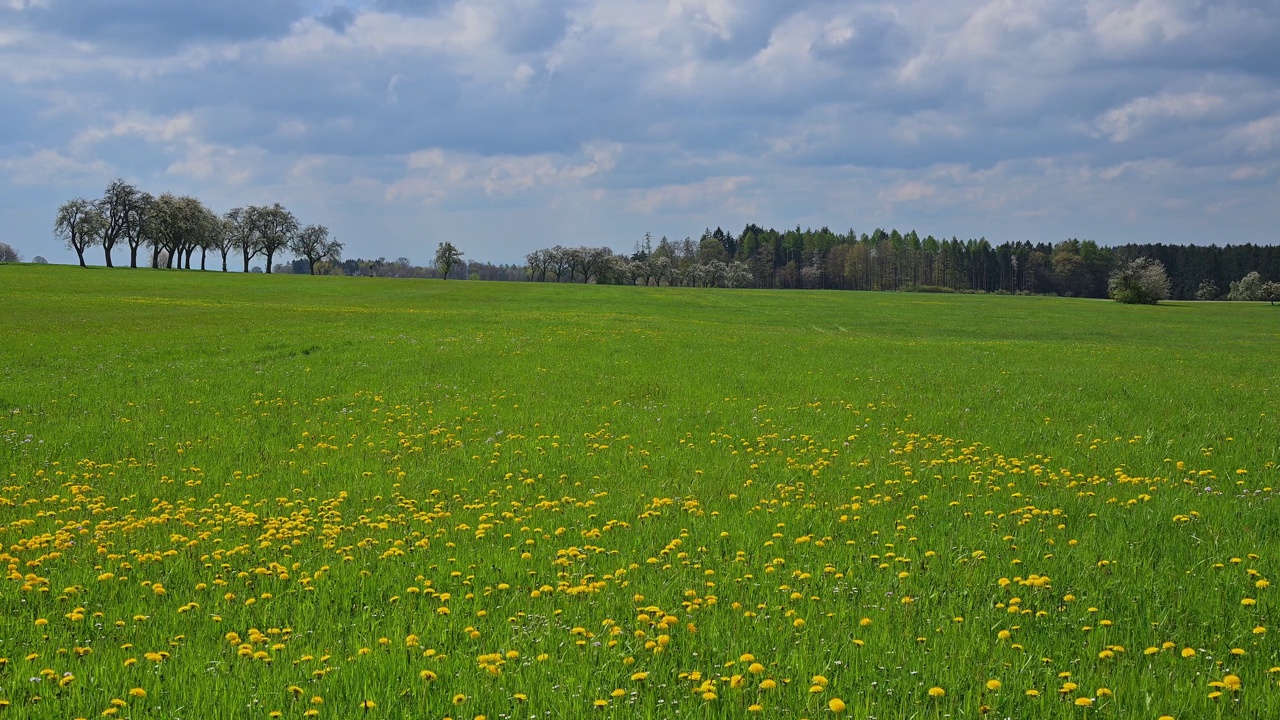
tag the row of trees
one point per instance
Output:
(174, 227)
(891, 260)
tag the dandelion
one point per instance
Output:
(936, 692)
(1084, 702)
(993, 685)
(137, 692)
(368, 705)
(836, 704)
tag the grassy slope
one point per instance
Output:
(223, 373)
(1183, 376)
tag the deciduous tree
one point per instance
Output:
(312, 242)
(80, 225)
(446, 257)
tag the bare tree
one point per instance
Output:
(312, 242)
(538, 263)
(558, 261)
(136, 227)
(222, 239)
(242, 233)
(118, 207)
(80, 225)
(8, 254)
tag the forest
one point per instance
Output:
(892, 260)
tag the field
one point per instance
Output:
(235, 496)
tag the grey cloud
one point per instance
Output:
(144, 26)
(337, 19)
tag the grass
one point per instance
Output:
(238, 494)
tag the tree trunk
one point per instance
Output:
(133, 256)
(311, 266)
(190, 251)
(80, 254)
(106, 250)
(270, 254)
(202, 252)
(224, 261)
(168, 259)
(155, 256)
(246, 259)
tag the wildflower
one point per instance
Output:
(1188, 652)
(600, 704)
(836, 704)
(368, 705)
(936, 692)
(1084, 702)
(1232, 682)
(138, 693)
(755, 708)
(768, 684)
(755, 668)
(459, 699)
(993, 685)
(639, 677)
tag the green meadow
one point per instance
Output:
(252, 496)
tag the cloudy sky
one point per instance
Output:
(505, 125)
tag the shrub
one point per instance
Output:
(1139, 282)
(1207, 291)
(1246, 288)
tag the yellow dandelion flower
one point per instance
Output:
(936, 692)
(836, 704)
(138, 693)
(1084, 702)
(993, 685)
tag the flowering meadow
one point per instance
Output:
(261, 497)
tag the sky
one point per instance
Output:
(507, 125)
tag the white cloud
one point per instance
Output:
(49, 167)
(1126, 121)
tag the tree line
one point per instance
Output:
(172, 228)
(892, 260)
